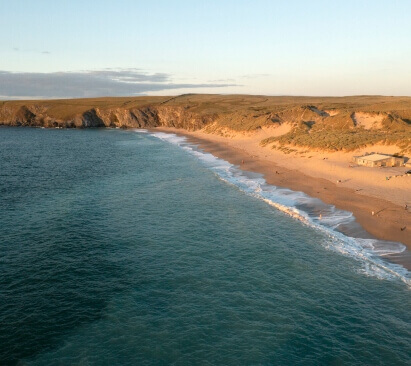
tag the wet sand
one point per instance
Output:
(385, 224)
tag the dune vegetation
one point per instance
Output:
(326, 123)
(345, 135)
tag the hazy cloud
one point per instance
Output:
(222, 81)
(16, 49)
(254, 76)
(91, 83)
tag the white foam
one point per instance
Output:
(139, 130)
(368, 251)
(382, 247)
(336, 218)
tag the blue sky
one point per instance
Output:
(273, 47)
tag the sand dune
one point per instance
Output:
(367, 120)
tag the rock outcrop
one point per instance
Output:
(149, 116)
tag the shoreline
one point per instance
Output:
(385, 224)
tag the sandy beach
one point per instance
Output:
(377, 203)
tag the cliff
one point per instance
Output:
(333, 123)
(42, 114)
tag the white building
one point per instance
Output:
(374, 160)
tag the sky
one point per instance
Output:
(58, 49)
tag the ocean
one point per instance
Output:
(137, 248)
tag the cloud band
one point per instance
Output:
(85, 84)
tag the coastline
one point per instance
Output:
(384, 224)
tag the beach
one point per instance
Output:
(378, 204)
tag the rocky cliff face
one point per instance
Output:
(149, 116)
(302, 119)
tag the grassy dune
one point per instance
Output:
(329, 123)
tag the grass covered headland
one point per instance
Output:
(337, 123)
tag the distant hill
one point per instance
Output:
(330, 123)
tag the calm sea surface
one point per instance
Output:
(125, 248)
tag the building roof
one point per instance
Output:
(375, 157)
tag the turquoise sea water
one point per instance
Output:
(124, 248)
